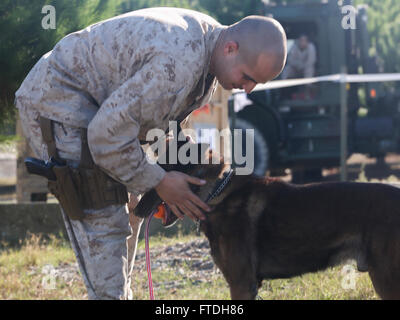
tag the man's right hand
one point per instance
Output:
(174, 190)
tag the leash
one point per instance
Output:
(219, 188)
(216, 191)
(148, 262)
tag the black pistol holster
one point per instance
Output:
(83, 187)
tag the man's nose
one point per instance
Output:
(248, 87)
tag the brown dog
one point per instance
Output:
(267, 229)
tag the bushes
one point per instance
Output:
(7, 119)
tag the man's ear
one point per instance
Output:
(231, 48)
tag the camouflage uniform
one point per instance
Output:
(119, 78)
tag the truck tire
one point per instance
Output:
(261, 150)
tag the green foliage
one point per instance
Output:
(7, 118)
(23, 40)
(230, 11)
(384, 28)
(130, 5)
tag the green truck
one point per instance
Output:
(303, 134)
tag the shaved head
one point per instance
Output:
(256, 45)
(260, 35)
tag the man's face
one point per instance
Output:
(237, 74)
(303, 42)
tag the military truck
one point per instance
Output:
(303, 134)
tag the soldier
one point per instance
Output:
(118, 79)
(301, 60)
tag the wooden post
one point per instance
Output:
(215, 116)
(232, 116)
(343, 125)
(29, 187)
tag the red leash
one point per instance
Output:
(161, 214)
(148, 263)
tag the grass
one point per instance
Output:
(22, 273)
(21, 277)
(18, 280)
(8, 143)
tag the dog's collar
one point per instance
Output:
(219, 187)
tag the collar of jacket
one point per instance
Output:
(211, 39)
(200, 95)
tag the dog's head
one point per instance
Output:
(213, 170)
(204, 164)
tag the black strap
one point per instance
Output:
(48, 136)
(86, 156)
(46, 125)
(96, 190)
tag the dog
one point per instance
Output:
(264, 228)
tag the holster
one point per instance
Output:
(84, 187)
(66, 192)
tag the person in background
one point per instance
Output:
(301, 61)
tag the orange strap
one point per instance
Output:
(160, 214)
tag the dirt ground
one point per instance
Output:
(195, 254)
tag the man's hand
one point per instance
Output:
(175, 191)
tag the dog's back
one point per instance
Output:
(283, 230)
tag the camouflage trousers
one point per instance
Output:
(104, 241)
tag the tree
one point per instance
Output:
(229, 11)
(384, 29)
(23, 40)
